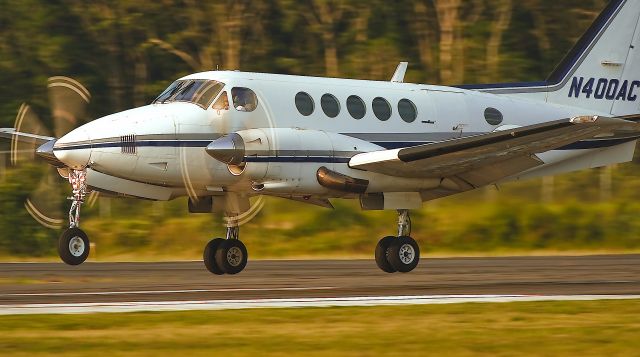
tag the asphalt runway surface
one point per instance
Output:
(56, 283)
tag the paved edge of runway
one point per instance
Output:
(120, 307)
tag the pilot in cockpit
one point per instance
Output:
(244, 99)
(222, 103)
(240, 104)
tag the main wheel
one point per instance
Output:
(209, 256)
(381, 254)
(73, 246)
(403, 254)
(231, 256)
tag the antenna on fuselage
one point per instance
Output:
(398, 75)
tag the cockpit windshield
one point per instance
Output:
(196, 91)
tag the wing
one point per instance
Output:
(486, 158)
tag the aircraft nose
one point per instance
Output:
(74, 149)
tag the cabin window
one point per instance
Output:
(381, 108)
(222, 103)
(244, 99)
(356, 107)
(304, 103)
(407, 110)
(493, 116)
(330, 105)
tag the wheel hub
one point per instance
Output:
(406, 253)
(76, 246)
(234, 256)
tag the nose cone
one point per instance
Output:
(228, 149)
(74, 149)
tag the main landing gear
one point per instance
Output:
(399, 253)
(226, 256)
(73, 244)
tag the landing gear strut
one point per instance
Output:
(73, 244)
(226, 256)
(399, 253)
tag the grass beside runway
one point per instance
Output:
(585, 328)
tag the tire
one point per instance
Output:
(73, 246)
(403, 254)
(381, 254)
(209, 256)
(231, 256)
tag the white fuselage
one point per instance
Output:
(162, 145)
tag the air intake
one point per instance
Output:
(128, 144)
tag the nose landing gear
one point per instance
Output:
(226, 256)
(73, 244)
(399, 253)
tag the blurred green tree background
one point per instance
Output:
(127, 51)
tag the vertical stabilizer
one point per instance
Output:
(602, 72)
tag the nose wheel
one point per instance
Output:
(226, 256)
(401, 253)
(73, 244)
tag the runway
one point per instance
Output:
(161, 284)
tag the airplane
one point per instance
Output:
(224, 137)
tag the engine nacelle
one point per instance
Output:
(286, 160)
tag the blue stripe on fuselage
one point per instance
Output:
(581, 145)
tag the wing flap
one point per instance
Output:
(491, 173)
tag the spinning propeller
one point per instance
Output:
(68, 101)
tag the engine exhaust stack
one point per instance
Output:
(339, 182)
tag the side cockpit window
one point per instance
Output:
(222, 103)
(244, 99)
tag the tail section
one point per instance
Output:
(601, 74)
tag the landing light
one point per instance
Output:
(584, 119)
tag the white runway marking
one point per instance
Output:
(83, 308)
(150, 292)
